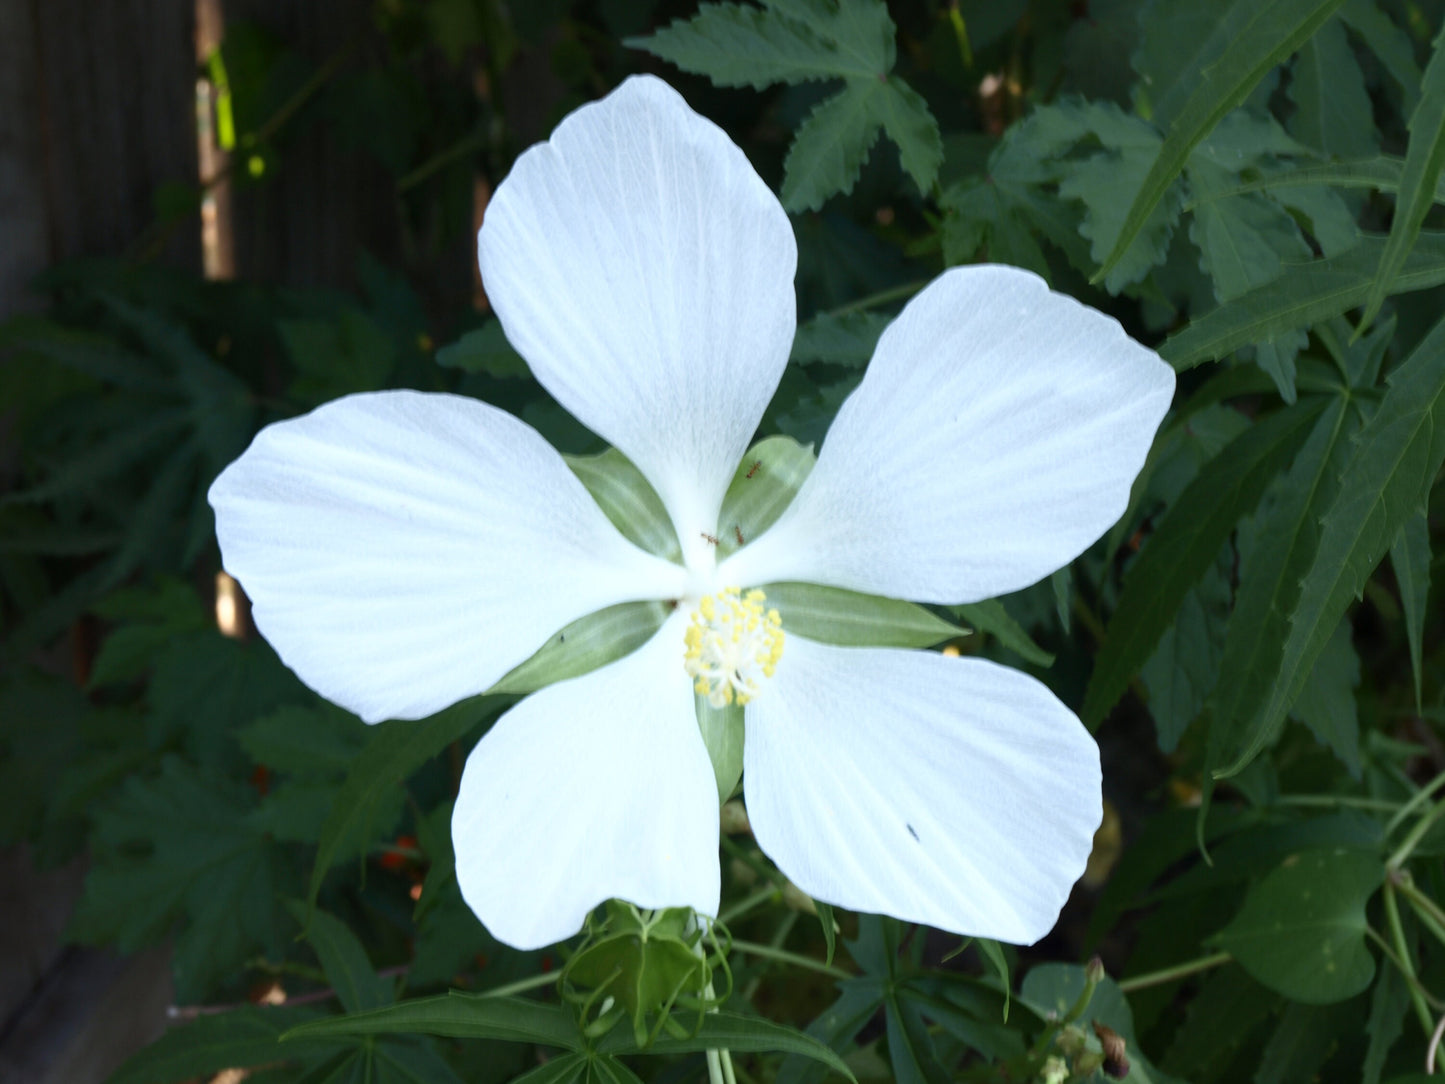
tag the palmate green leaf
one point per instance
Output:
(990, 617)
(1178, 40)
(831, 147)
(1390, 44)
(343, 959)
(1332, 106)
(733, 1031)
(455, 1015)
(220, 404)
(738, 45)
(1106, 183)
(484, 350)
(1388, 1004)
(1410, 558)
(858, 1002)
(586, 1067)
(843, 339)
(835, 141)
(1220, 1020)
(1286, 538)
(1276, 30)
(1327, 705)
(209, 1044)
(1303, 1040)
(1381, 172)
(1385, 484)
(410, 1061)
(111, 456)
(1301, 930)
(833, 615)
(337, 356)
(82, 352)
(911, 1050)
(146, 619)
(1181, 673)
(1186, 543)
(1244, 244)
(795, 41)
(395, 750)
(1424, 162)
(180, 846)
(1305, 295)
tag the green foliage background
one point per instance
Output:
(1253, 188)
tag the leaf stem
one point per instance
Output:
(1418, 799)
(1169, 974)
(1401, 956)
(1345, 801)
(743, 906)
(520, 986)
(1426, 909)
(882, 297)
(752, 948)
(1417, 833)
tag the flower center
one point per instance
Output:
(732, 644)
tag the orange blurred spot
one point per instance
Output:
(261, 780)
(415, 893)
(546, 963)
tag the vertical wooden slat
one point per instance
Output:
(24, 244)
(117, 91)
(327, 201)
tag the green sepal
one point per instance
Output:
(722, 733)
(832, 615)
(765, 483)
(628, 500)
(641, 962)
(586, 644)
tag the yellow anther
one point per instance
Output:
(731, 645)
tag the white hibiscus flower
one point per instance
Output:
(405, 550)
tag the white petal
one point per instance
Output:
(994, 437)
(645, 272)
(590, 789)
(952, 792)
(404, 550)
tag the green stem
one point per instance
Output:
(1169, 974)
(1343, 801)
(780, 935)
(1411, 841)
(520, 986)
(1419, 798)
(767, 952)
(439, 161)
(743, 906)
(882, 297)
(1426, 909)
(714, 1068)
(1401, 957)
